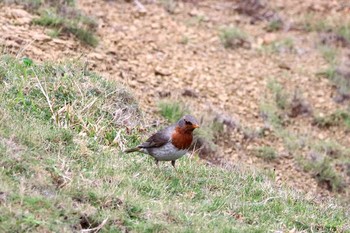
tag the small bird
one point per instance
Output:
(170, 143)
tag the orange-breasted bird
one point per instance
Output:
(170, 143)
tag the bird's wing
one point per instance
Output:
(158, 139)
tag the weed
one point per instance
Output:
(54, 33)
(270, 114)
(196, 20)
(330, 148)
(294, 105)
(324, 173)
(291, 141)
(280, 46)
(233, 37)
(266, 153)
(63, 17)
(281, 97)
(310, 23)
(298, 106)
(338, 118)
(329, 73)
(185, 40)
(171, 110)
(329, 53)
(344, 31)
(274, 25)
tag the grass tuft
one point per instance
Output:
(338, 118)
(233, 37)
(324, 172)
(266, 153)
(69, 21)
(274, 25)
(63, 17)
(172, 111)
(286, 45)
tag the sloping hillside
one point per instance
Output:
(270, 81)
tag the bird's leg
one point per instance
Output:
(157, 162)
(173, 163)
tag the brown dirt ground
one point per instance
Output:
(147, 52)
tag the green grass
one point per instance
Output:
(172, 110)
(339, 27)
(232, 37)
(274, 25)
(338, 118)
(280, 95)
(63, 17)
(311, 23)
(329, 53)
(324, 172)
(57, 177)
(286, 45)
(266, 152)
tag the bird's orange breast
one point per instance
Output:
(181, 139)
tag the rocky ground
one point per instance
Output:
(165, 50)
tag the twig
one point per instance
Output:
(46, 96)
(24, 48)
(96, 229)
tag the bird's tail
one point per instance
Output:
(132, 150)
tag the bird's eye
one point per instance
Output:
(188, 122)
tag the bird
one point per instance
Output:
(170, 143)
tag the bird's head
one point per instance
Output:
(188, 123)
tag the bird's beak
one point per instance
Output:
(195, 126)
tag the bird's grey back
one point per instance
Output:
(160, 138)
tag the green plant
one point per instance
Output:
(329, 73)
(271, 114)
(71, 22)
(185, 40)
(329, 54)
(324, 173)
(338, 118)
(232, 37)
(54, 33)
(311, 23)
(62, 17)
(281, 97)
(344, 31)
(171, 110)
(280, 46)
(196, 20)
(274, 25)
(330, 148)
(266, 152)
